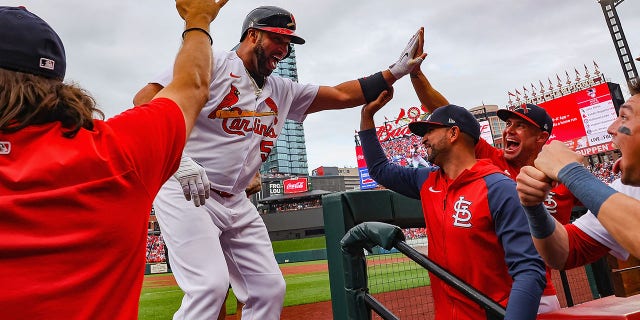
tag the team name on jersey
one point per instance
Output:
(241, 126)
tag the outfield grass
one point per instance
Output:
(161, 303)
(299, 244)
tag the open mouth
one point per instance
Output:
(273, 62)
(511, 145)
(616, 166)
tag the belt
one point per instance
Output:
(222, 193)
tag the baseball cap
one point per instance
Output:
(29, 44)
(531, 113)
(449, 116)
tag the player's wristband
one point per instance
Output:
(541, 223)
(198, 29)
(585, 186)
(372, 86)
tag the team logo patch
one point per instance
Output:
(462, 217)
(47, 63)
(551, 204)
(5, 147)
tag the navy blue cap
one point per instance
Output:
(29, 44)
(531, 113)
(449, 116)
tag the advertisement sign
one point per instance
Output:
(295, 185)
(275, 187)
(485, 131)
(360, 157)
(581, 119)
(365, 180)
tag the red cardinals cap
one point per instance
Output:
(449, 116)
(531, 113)
(28, 44)
(272, 19)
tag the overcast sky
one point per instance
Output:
(478, 50)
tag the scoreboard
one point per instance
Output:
(581, 119)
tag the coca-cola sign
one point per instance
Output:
(295, 185)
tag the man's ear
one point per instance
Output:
(543, 136)
(454, 133)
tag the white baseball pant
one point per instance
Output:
(225, 241)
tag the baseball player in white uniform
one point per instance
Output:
(224, 240)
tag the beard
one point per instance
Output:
(261, 59)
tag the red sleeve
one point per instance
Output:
(486, 151)
(582, 248)
(153, 136)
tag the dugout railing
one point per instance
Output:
(368, 235)
(343, 211)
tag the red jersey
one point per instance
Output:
(559, 203)
(75, 211)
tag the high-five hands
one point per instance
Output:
(411, 57)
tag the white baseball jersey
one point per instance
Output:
(240, 124)
(590, 225)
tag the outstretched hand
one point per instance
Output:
(370, 109)
(411, 57)
(199, 13)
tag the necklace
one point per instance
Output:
(257, 90)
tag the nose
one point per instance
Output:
(613, 128)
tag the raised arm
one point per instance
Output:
(429, 97)
(364, 90)
(189, 88)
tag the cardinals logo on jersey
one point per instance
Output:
(462, 217)
(551, 204)
(227, 103)
(238, 121)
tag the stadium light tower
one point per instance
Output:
(619, 40)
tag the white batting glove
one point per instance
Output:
(407, 62)
(194, 181)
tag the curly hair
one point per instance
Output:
(27, 99)
(634, 86)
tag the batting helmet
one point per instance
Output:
(271, 19)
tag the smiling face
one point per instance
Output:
(625, 132)
(269, 48)
(436, 144)
(522, 141)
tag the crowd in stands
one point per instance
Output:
(604, 171)
(414, 233)
(298, 205)
(155, 249)
(399, 150)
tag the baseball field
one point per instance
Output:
(308, 295)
